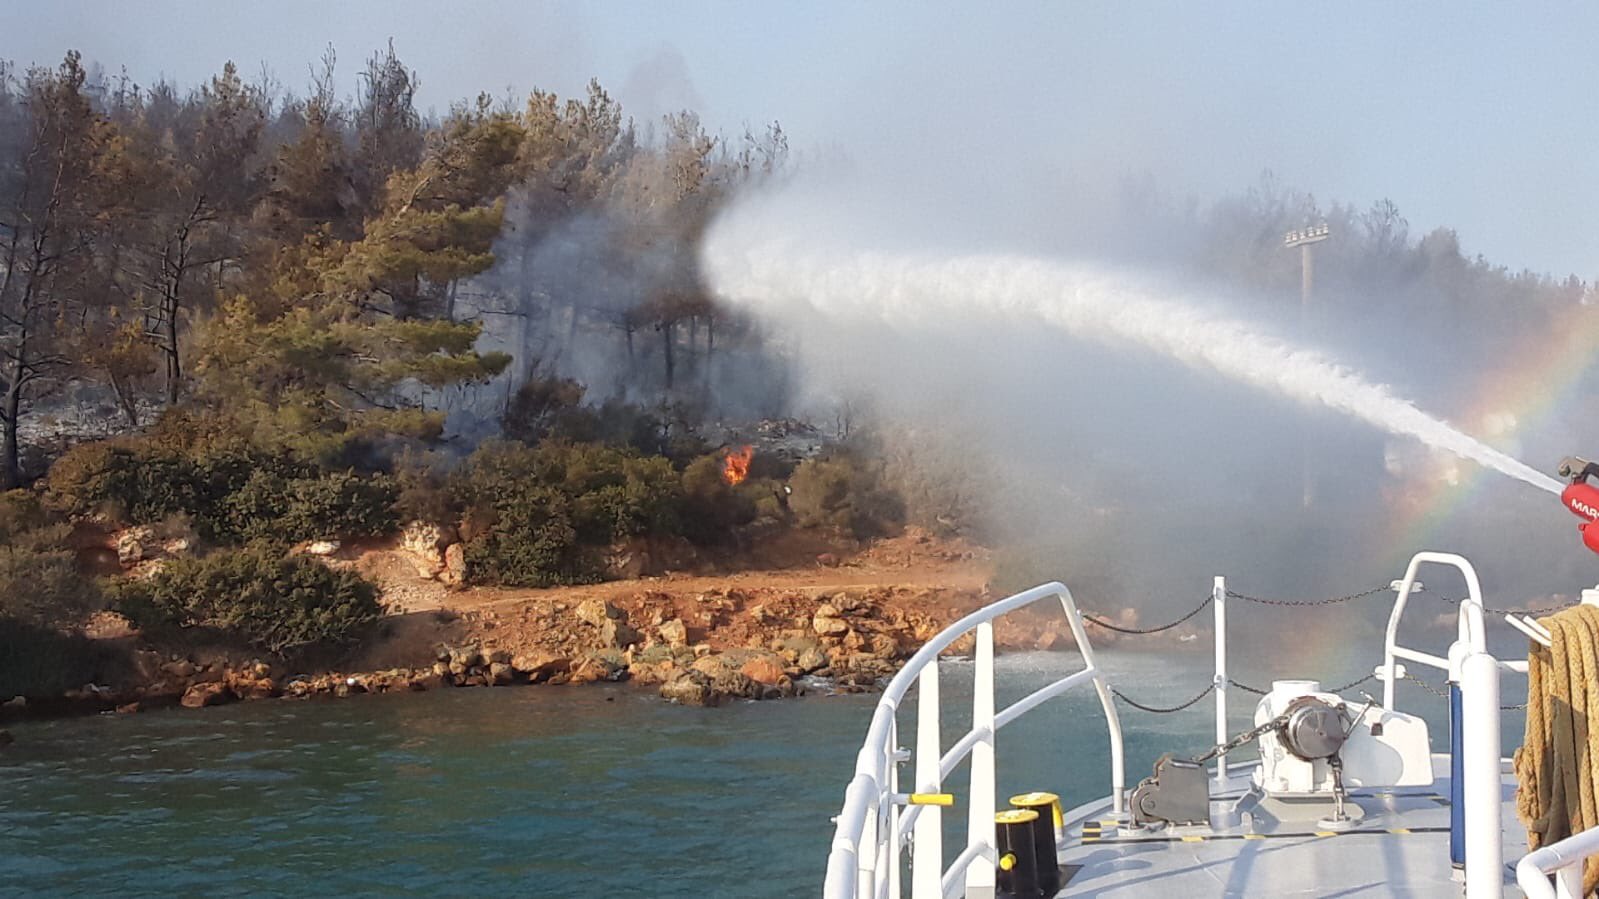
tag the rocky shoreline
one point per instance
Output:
(700, 641)
(851, 641)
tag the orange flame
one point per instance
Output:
(737, 466)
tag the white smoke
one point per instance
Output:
(791, 276)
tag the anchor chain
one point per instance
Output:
(1241, 739)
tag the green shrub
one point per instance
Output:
(528, 541)
(231, 493)
(256, 594)
(337, 504)
(40, 584)
(532, 514)
(846, 494)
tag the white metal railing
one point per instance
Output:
(1564, 860)
(864, 861)
(1476, 672)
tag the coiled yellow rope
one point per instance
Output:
(1557, 765)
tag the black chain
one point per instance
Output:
(1442, 694)
(1148, 630)
(1307, 602)
(1259, 692)
(1240, 740)
(1452, 600)
(1160, 711)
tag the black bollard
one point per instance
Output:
(1047, 805)
(1018, 866)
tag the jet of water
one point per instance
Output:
(780, 278)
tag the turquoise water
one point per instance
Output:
(526, 791)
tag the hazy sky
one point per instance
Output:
(1478, 117)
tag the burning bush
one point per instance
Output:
(712, 507)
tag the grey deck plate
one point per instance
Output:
(1401, 848)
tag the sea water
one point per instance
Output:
(531, 791)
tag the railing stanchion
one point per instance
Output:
(1484, 829)
(927, 859)
(1113, 721)
(1218, 597)
(893, 842)
(980, 881)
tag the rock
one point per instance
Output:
(130, 708)
(133, 545)
(501, 673)
(761, 615)
(497, 656)
(618, 634)
(885, 646)
(691, 688)
(209, 694)
(254, 687)
(598, 611)
(674, 632)
(426, 542)
(726, 678)
(441, 669)
(627, 560)
(182, 668)
(848, 604)
(147, 665)
(1050, 639)
(764, 669)
(828, 626)
(646, 673)
(599, 666)
(455, 572)
(811, 660)
(541, 665)
(466, 657)
(827, 560)
(322, 547)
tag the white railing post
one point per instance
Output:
(1218, 598)
(1484, 829)
(980, 881)
(927, 853)
(1113, 722)
(866, 853)
(891, 838)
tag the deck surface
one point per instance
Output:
(1400, 848)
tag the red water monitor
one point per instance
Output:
(1582, 497)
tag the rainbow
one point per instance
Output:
(1546, 371)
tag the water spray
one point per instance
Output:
(782, 279)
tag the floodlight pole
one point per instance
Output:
(1305, 239)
